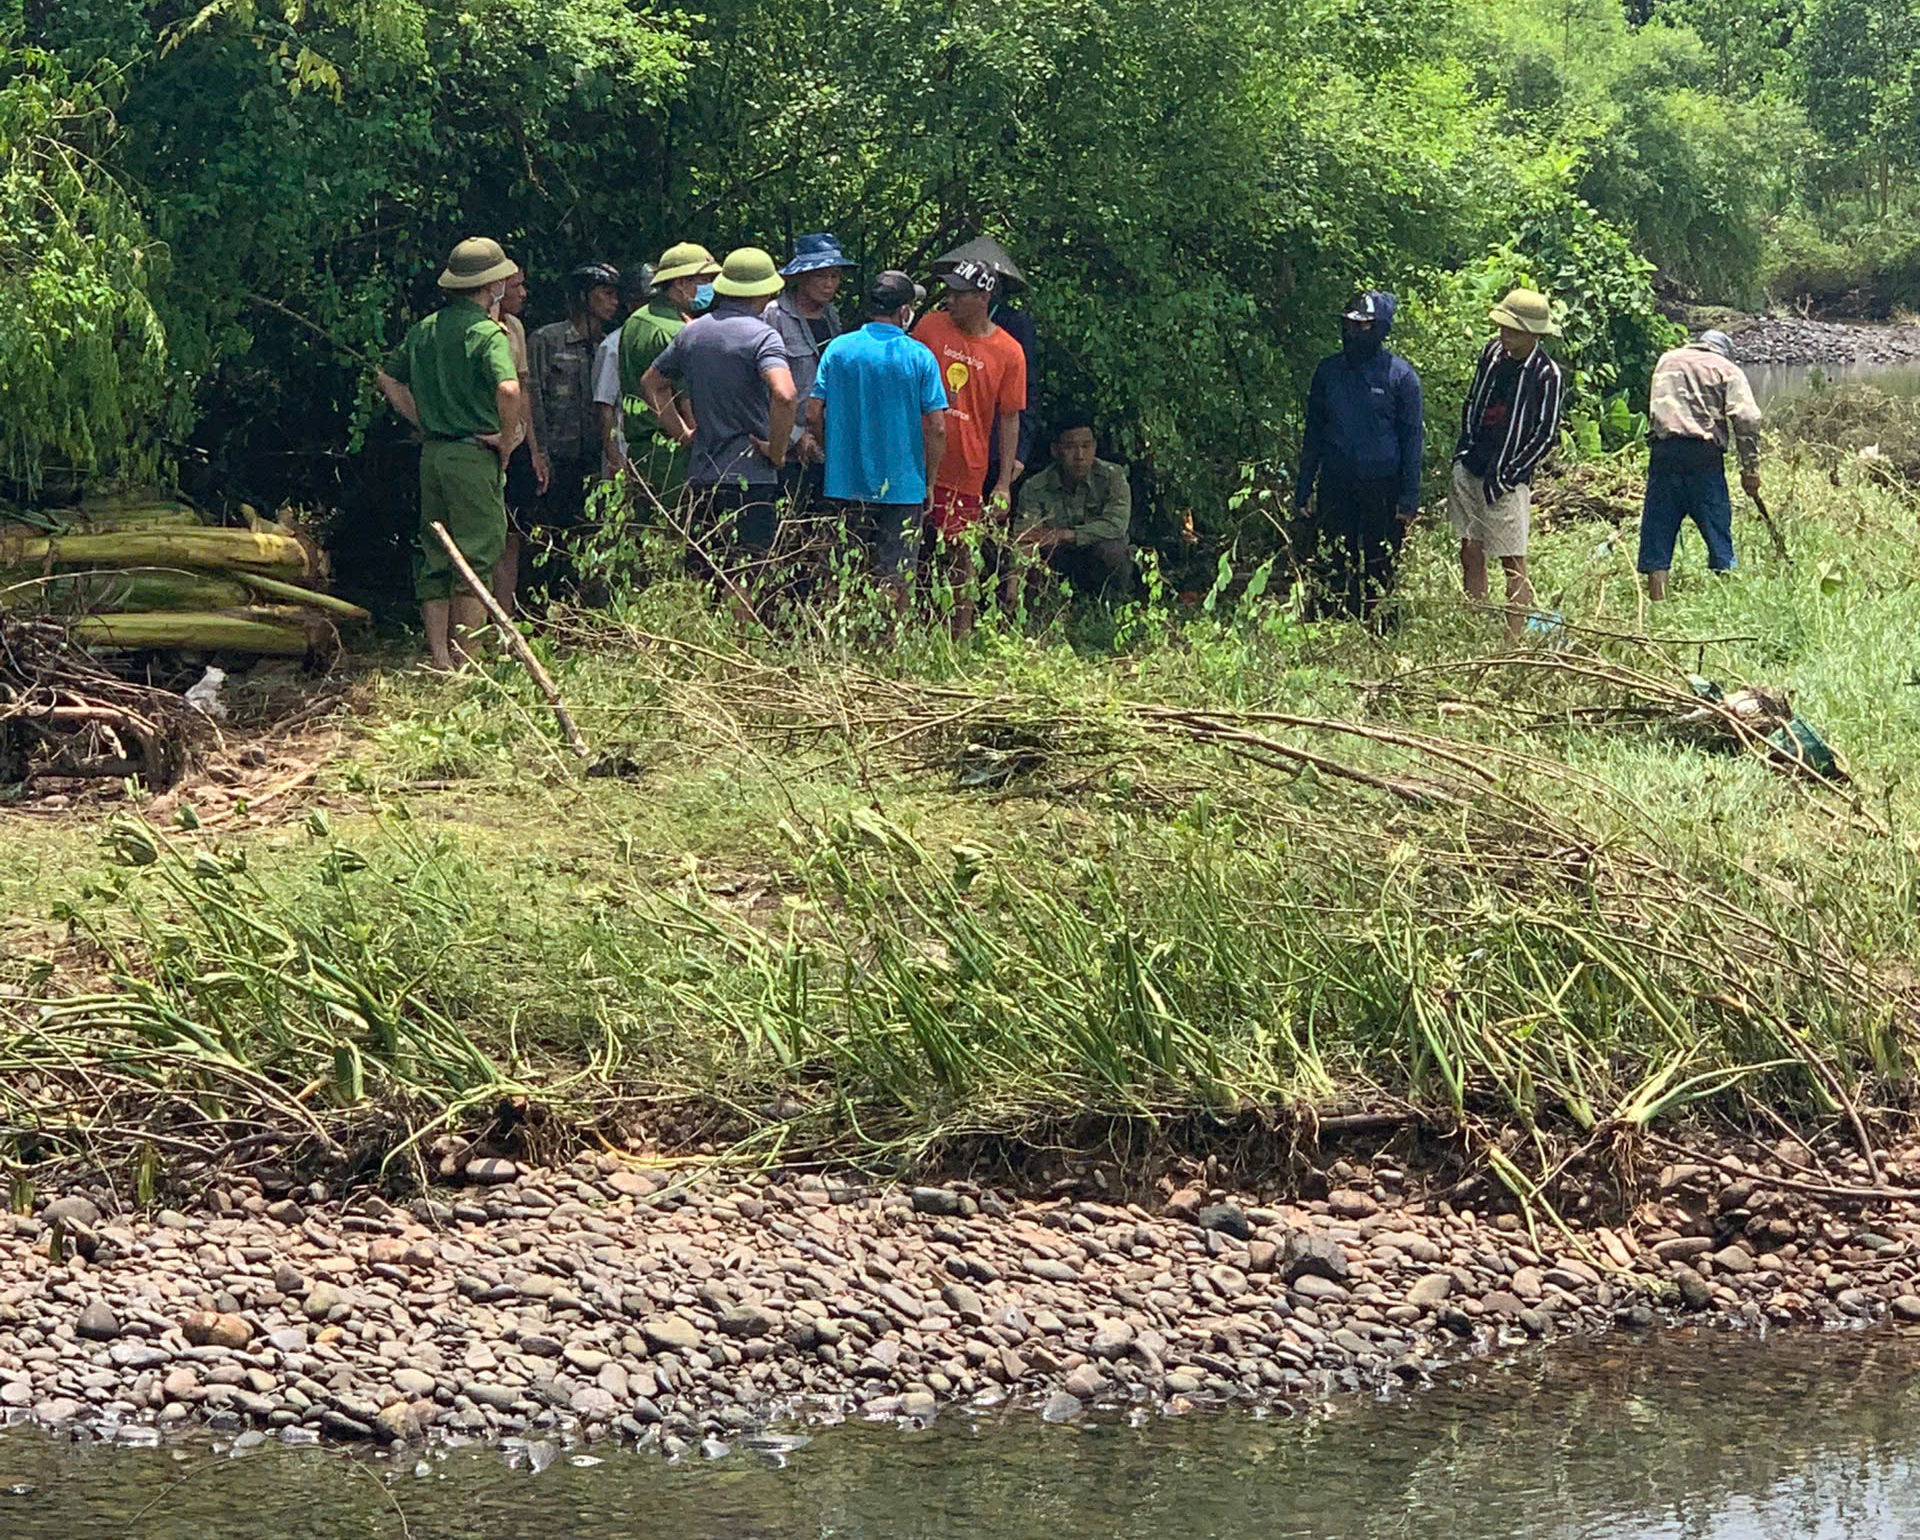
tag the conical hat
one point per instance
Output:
(985, 249)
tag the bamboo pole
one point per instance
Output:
(270, 633)
(293, 593)
(218, 549)
(515, 641)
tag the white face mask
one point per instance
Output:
(495, 294)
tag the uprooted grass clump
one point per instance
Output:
(881, 904)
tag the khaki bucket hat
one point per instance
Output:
(1525, 311)
(748, 273)
(475, 263)
(687, 260)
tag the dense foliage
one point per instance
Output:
(1192, 188)
(83, 365)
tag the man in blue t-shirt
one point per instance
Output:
(879, 409)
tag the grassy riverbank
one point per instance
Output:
(1219, 874)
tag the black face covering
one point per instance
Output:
(1358, 346)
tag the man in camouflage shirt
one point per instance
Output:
(560, 379)
(1700, 400)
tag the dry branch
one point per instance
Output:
(516, 642)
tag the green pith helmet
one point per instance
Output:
(1525, 311)
(687, 260)
(475, 263)
(748, 273)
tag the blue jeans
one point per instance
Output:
(1673, 497)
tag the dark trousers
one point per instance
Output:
(804, 487)
(1677, 492)
(1358, 545)
(557, 518)
(730, 527)
(523, 488)
(890, 531)
(1104, 569)
(564, 503)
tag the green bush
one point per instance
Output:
(1690, 176)
(1678, 175)
(1870, 270)
(1611, 330)
(1891, 280)
(83, 363)
(1805, 262)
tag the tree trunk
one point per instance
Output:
(1885, 181)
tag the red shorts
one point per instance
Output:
(954, 513)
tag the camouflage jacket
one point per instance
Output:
(1698, 394)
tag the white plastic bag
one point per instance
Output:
(204, 696)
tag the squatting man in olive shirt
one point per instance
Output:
(1076, 514)
(453, 377)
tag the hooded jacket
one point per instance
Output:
(1364, 420)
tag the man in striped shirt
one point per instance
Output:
(1510, 420)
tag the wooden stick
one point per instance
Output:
(272, 794)
(516, 642)
(1773, 529)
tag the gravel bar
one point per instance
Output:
(606, 1299)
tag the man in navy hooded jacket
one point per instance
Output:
(1363, 444)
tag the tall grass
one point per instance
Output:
(877, 903)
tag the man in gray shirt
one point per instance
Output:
(805, 317)
(733, 368)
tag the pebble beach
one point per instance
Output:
(601, 1300)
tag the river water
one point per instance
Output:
(1705, 1435)
(1776, 382)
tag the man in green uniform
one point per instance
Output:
(454, 379)
(1075, 514)
(652, 457)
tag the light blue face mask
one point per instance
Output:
(703, 299)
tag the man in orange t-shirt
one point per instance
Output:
(985, 373)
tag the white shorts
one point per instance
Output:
(1501, 529)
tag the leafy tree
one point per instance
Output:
(1858, 61)
(1749, 42)
(308, 165)
(1692, 178)
(83, 365)
(1192, 190)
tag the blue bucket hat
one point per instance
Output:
(812, 252)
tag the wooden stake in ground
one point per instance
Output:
(515, 641)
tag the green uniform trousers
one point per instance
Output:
(463, 486)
